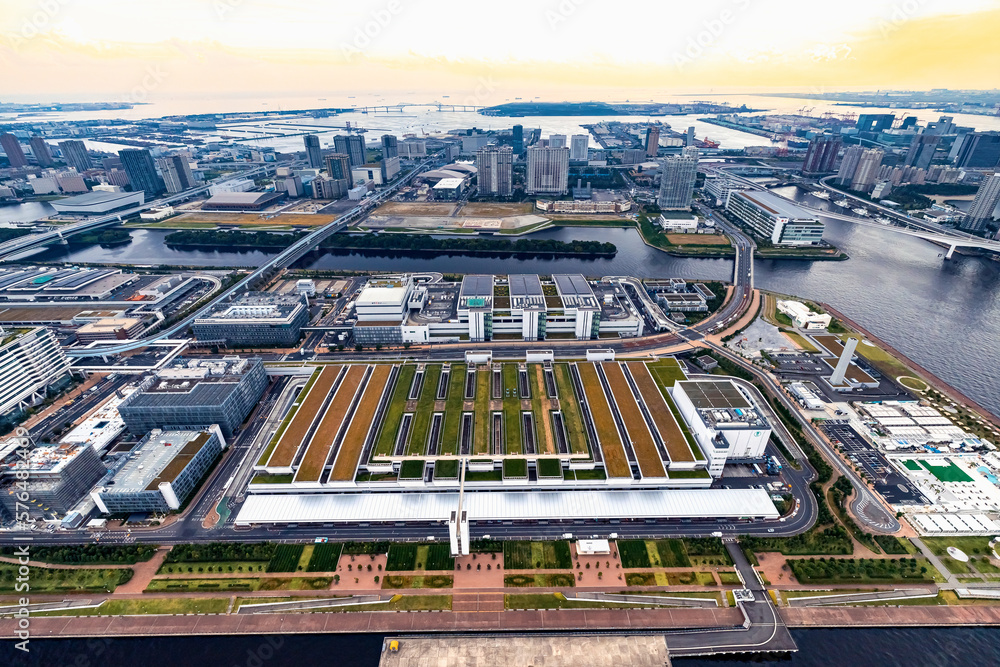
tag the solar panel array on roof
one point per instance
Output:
(473, 286)
(12, 278)
(573, 284)
(525, 284)
(714, 394)
(80, 278)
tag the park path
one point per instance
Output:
(144, 572)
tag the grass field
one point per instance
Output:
(666, 372)
(913, 383)
(427, 581)
(314, 460)
(252, 219)
(946, 473)
(971, 545)
(240, 584)
(410, 557)
(481, 441)
(537, 555)
(286, 558)
(615, 462)
(453, 409)
(570, 407)
(496, 209)
(558, 580)
(424, 411)
(540, 413)
(646, 453)
(346, 462)
(653, 553)
(394, 411)
(324, 558)
(511, 410)
(676, 444)
(801, 341)
(45, 580)
(155, 606)
(699, 239)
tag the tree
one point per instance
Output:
(358, 347)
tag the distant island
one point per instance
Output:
(607, 109)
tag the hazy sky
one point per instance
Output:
(474, 49)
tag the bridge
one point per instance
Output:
(398, 108)
(24, 243)
(929, 231)
(282, 260)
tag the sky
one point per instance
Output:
(477, 50)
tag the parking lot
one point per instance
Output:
(889, 484)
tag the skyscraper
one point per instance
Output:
(821, 155)
(689, 138)
(867, 172)
(677, 179)
(578, 144)
(922, 149)
(177, 175)
(353, 146)
(75, 154)
(138, 164)
(652, 140)
(517, 142)
(313, 151)
(548, 171)
(557, 141)
(849, 165)
(12, 147)
(390, 146)
(875, 122)
(40, 149)
(495, 166)
(979, 150)
(338, 166)
(981, 211)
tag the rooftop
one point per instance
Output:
(256, 305)
(777, 206)
(575, 291)
(160, 458)
(526, 292)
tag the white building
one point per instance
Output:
(775, 219)
(579, 143)
(724, 420)
(802, 317)
(548, 171)
(235, 185)
(384, 299)
(679, 225)
(306, 287)
(30, 361)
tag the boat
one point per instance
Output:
(821, 194)
(842, 203)
(860, 211)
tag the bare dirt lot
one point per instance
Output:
(698, 239)
(415, 208)
(496, 210)
(254, 219)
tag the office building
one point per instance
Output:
(652, 140)
(255, 318)
(517, 139)
(313, 151)
(351, 145)
(75, 155)
(324, 187)
(495, 170)
(390, 146)
(57, 478)
(12, 148)
(775, 219)
(821, 157)
(557, 141)
(417, 148)
(338, 166)
(979, 150)
(677, 180)
(109, 328)
(689, 137)
(578, 145)
(40, 149)
(922, 149)
(390, 168)
(177, 176)
(162, 471)
(31, 363)
(875, 122)
(367, 173)
(194, 394)
(71, 182)
(849, 165)
(724, 419)
(141, 170)
(548, 171)
(867, 171)
(980, 213)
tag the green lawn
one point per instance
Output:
(425, 410)
(446, 469)
(515, 468)
(210, 567)
(428, 581)
(540, 580)
(948, 473)
(653, 553)
(512, 410)
(537, 555)
(912, 465)
(453, 409)
(483, 437)
(45, 580)
(240, 584)
(666, 372)
(549, 468)
(324, 557)
(570, 407)
(971, 545)
(394, 411)
(148, 606)
(286, 558)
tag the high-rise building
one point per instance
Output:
(390, 146)
(352, 145)
(517, 141)
(30, 361)
(390, 168)
(12, 147)
(689, 138)
(338, 166)
(177, 176)
(677, 180)
(75, 155)
(40, 149)
(867, 172)
(557, 141)
(548, 171)
(652, 140)
(979, 150)
(922, 149)
(141, 170)
(325, 187)
(578, 145)
(875, 122)
(495, 170)
(849, 165)
(313, 151)
(981, 211)
(821, 155)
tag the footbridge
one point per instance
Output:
(282, 260)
